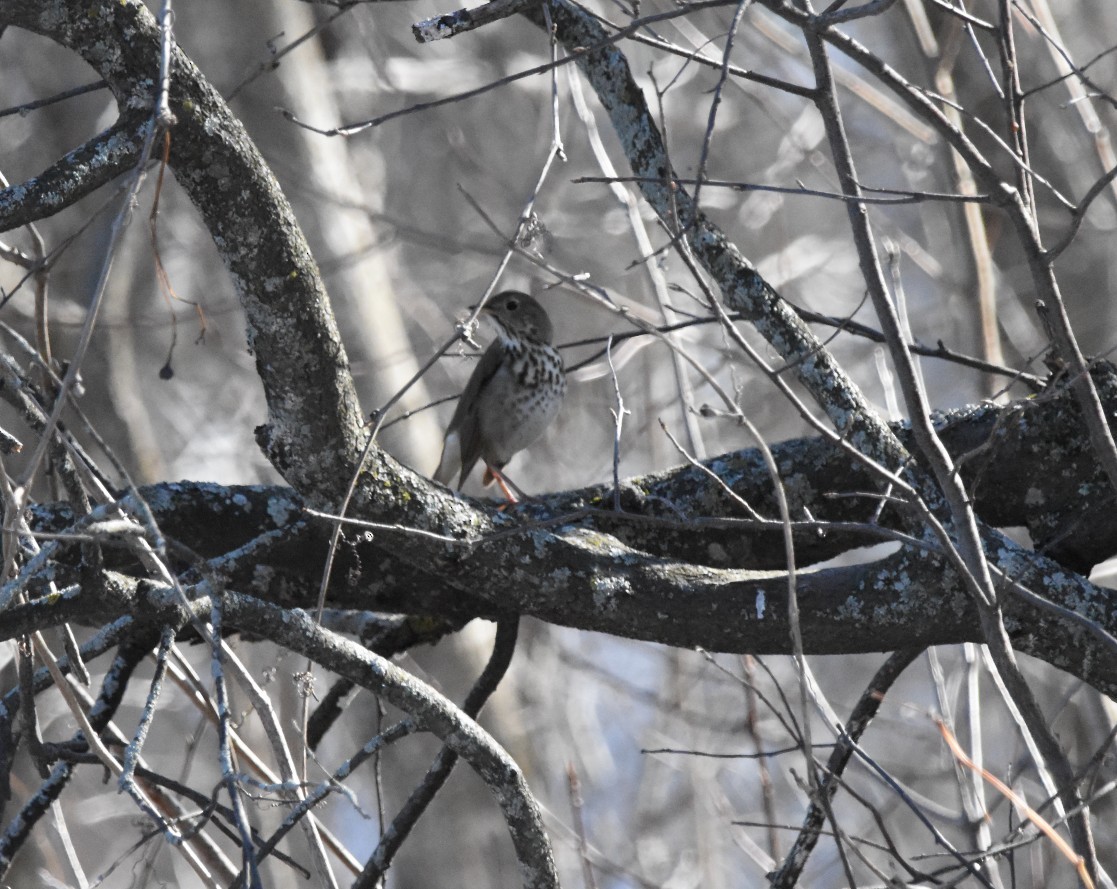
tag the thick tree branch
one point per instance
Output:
(585, 579)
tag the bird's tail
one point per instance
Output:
(450, 461)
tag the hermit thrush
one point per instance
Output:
(512, 396)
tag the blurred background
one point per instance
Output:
(396, 216)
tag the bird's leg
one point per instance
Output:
(492, 475)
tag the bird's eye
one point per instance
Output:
(512, 304)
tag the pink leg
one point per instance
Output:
(492, 475)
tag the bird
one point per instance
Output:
(512, 396)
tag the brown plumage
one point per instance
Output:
(512, 396)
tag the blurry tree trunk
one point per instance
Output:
(348, 181)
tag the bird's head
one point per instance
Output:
(519, 317)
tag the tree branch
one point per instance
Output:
(77, 174)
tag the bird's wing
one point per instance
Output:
(462, 445)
